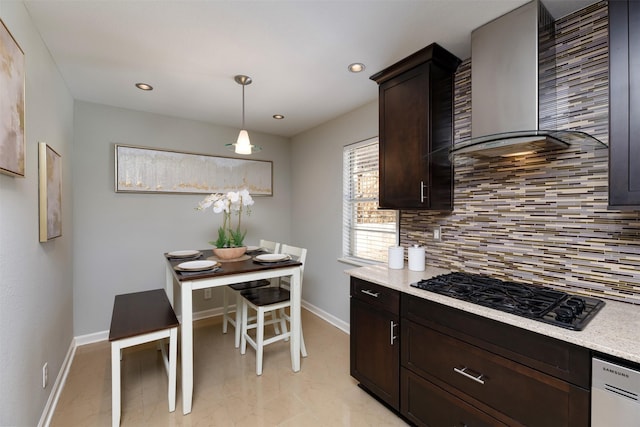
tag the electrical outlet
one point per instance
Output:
(437, 235)
(207, 293)
(45, 375)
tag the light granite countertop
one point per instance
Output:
(615, 330)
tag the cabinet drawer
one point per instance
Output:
(426, 404)
(551, 356)
(523, 394)
(376, 295)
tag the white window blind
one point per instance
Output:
(367, 231)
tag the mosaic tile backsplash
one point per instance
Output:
(542, 219)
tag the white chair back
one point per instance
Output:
(298, 254)
(273, 247)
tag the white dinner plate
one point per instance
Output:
(272, 257)
(253, 248)
(184, 254)
(197, 265)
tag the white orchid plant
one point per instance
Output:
(233, 203)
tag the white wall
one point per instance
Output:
(120, 237)
(317, 205)
(36, 305)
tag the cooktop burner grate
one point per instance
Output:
(530, 301)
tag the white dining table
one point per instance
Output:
(231, 272)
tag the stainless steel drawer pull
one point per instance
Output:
(393, 336)
(370, 293)
(463, 372)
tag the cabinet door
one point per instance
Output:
(404, 140)
(375, 351)
(624, 103)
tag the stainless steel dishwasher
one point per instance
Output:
(615, 394)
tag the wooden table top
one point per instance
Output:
(227, 268)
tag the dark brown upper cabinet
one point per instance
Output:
(416, 130)
(624, 104)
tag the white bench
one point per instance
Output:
(139, 318)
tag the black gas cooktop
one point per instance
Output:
(530, 301)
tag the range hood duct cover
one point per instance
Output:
(509, 55)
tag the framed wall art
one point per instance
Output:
(12, 151)
(151, 170)
(50, 192)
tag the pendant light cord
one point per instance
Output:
(243, 106)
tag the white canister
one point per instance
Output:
(396, 257)
(416, 258)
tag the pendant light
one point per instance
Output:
(243, 144)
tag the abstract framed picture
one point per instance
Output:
(12, 141)
(151, 170)
(50, 186)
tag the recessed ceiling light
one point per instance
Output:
(278, 116)
(144, 86)
(356, 67)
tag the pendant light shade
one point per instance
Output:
(243, 144)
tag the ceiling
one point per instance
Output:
(296, 52)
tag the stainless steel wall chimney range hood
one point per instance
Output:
(509, 57)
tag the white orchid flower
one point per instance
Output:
(233, 197)
(221, 205)
(204, 204)
(208, 201)
(247, 200)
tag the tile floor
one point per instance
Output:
(227, 391)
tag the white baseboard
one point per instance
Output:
(91, 338)
(327, 317)
(58, 386)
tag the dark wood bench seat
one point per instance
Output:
(139, 318)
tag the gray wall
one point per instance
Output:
(317, 207)
(130, 231)
(36, 299)
(120, 237)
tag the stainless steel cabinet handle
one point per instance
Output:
(393, 336)
(463, 372)
(421, 191)
(370, 293)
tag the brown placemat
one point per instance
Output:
(242, 258)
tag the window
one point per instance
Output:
(367, 232)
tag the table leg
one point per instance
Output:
(115, 384)
(168, 287)
(186, 349)
(173, 360)
(296, 297)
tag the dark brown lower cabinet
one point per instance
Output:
(447, 367)
(375, 347)
(456, 371)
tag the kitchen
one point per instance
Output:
(467, 235)
(536, 219)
